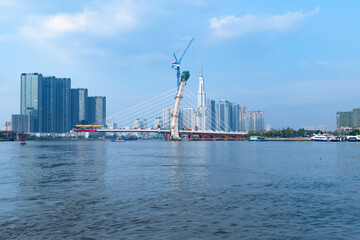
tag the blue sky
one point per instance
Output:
(296, 60)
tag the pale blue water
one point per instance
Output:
(179, 190)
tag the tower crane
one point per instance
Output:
(176, 64)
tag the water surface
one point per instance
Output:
(179, 190)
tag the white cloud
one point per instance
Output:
(101, 20)
(231, 26)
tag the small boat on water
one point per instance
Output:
(324, 138)
(352, 139)
(257, 138)
(118, 140)
(131, 138)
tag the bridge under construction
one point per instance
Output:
(173, 134)
(173, 127)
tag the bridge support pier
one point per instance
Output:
(165, 136)
(190, 137)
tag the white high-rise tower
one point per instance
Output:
(201, 108)
(201, 92)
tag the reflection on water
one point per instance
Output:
(179, 190)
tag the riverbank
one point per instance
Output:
(290, 139)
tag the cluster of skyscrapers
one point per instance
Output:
(209, 115)
(348, 119)
(49, 105)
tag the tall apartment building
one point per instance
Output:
(22, 123)
(355, 117)
(243, 115)
(344, 119)
(166, 117)
(188, 118)
(56, 108)
(235, 117)
(158, 123)
(31, 99)
(224, 116)
(96, 110)
(53, 106)
(211, 115)
(79, 106)
(47, 101)
(259, 121)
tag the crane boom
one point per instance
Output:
(186, 50)
(178, 62)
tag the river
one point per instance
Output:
(179, 190)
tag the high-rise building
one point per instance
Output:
(158, 123)
(22, 123)
(223, 114)
(243, 116)
(235, 117)
(31, 98)
(201, 92)
(189, 119)
(344, 119)
(355, 117)
(259, 121)
(200, 118)
(167, 112)
(110, 123)
(56, 107)
(144, 121)
(255, 121)
(49, 106)
(211, 115)
(79, 106)
(63, 99)
(47, 100)
(138, 123)
(97, 110)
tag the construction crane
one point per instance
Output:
(176, 64)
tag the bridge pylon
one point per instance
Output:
(174, 124)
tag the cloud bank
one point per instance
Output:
(101, 20)
(232, 26)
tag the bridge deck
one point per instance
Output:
(165, 131)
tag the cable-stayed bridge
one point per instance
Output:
(175, 120)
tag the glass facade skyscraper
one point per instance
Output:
(31, 98)
(344, 119)
(211, 115)
(223, 112)
(355, 117)
(48, 101)
(235, 115)
(79, 106)
(56, 105)
(63, 98)
(97, 110)
(166, 117)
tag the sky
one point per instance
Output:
(296, 60)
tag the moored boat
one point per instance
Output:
(320, 138)
(257, 138)
(352, 138)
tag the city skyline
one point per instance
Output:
(283, 58)
(48, 104)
